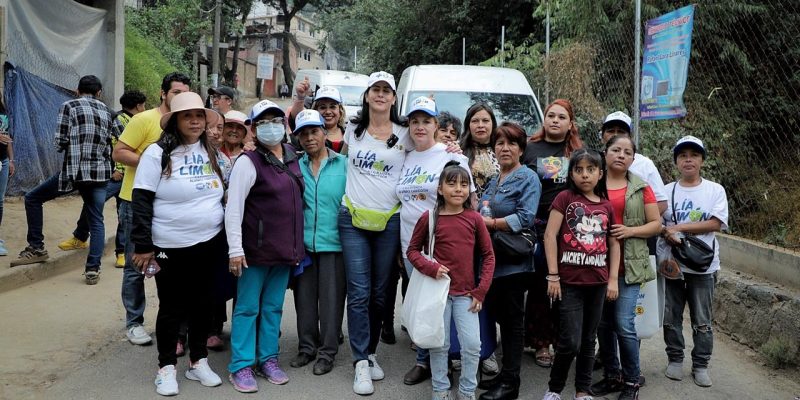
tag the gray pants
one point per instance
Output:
(319, 297)
(698, 291)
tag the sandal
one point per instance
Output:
(543, 358)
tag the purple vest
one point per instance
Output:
(272, 227)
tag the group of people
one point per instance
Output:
(539, 235)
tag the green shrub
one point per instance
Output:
(145, 66)
(780, 352)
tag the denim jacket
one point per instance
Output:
(516, 200)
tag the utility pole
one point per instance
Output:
(503, 46)
(463, 51)
(215, 45)
(547, 58)
(637, 71)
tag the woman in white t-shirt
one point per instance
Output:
(369, 221)
(417, 191)
(700, 207)
(177, 232)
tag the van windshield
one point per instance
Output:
(351, 95)
(517, 108)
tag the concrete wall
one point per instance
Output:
(766, 261)
(115, 39)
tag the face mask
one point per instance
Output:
(270, 134)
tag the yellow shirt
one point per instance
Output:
(143, 130)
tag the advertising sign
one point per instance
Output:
(665, 64)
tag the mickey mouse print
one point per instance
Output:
(582, 240)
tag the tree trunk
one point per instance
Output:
(288, 74)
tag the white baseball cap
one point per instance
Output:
(328, 92)
(261, 107)
(307, 118)
(688, 141)
(382, 76)
(617, 116)
(423, 104)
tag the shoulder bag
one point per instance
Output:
(692, 251)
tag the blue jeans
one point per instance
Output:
(3, 186)
(698, 291)
(81, 231)
(132, 280)
(423, 355)
(259, 298)
(368, 260)
(468, 329)
(617, 326)
(93, 195)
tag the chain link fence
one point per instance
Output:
(741, 96)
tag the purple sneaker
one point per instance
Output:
(273, 372)
(244, 381)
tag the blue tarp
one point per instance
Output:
(32, 105)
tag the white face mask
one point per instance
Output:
(270, 134)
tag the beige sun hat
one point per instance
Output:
(236, 117)
(189, 101)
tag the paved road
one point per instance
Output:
(64, 340)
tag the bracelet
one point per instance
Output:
(494, 224)
(549, 279)
(556, 274)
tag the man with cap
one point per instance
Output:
(143, 130)
(697, 206)
(619, 123)
(85, 129)
(222, 98)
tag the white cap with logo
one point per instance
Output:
(381, 76)
(328, 92)
(617, 116)
(307, 118)
(423, 104)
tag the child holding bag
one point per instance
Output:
(582, 263)
(457, 226)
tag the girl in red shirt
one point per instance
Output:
(457, 226)
(582, 263)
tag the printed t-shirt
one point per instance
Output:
(419, 184)
(617, 199)
(695, 204)
(143, 130)
(549, 162)
(582, 240)
(374, 169)
(187, 208)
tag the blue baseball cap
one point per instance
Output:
(307, 118)
(262, 107)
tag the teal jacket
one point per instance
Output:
(321, 200)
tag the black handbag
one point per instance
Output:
(512, 245)
(692, 252)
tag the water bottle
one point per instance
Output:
(152, 269)
(486, 211)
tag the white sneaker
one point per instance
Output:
(587, 397)
(362, 384)
(166, 382)
(375, 370)
(551, 396)
(489, 366)
(137, 335)
(200, 371)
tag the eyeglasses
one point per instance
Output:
(277, 120)
(392, 141)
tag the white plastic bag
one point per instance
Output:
(423, 309)
(647, 307)
(425, 301)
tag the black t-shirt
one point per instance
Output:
(548, 160)
(4, 128)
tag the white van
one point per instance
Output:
(457, 87)
(350, 84)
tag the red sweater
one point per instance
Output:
(457, 236)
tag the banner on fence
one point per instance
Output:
(665, 64)
(265, 65)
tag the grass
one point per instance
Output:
(145, 66)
